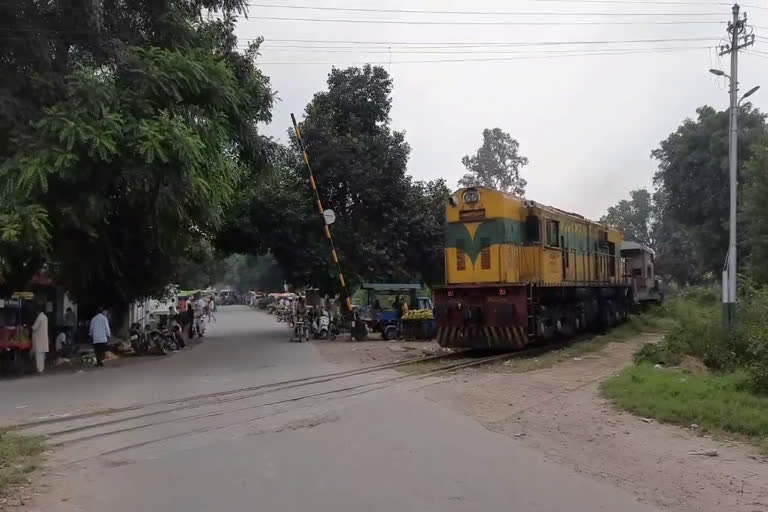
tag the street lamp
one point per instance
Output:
(731, 268)
(749, 93)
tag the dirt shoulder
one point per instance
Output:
(560, 412)
(356, 354)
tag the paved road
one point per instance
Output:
(361, 442)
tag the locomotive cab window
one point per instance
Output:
(461, 262)
(553, 233)
(485, 253)
(532, 230)
(611, 257)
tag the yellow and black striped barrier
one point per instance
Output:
(312, 182)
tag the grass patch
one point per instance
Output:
(719, 403)
(19, 456)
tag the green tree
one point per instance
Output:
(128, 129)
(693, 176)
(245, 272)
(360, 170)
(426, 230)
(496, 164)
(634, 217)
(199, 268)
(754, 214)
(677, 258)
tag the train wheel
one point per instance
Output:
(624, 311)
(605, 315)
(568, 325)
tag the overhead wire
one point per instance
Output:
(495, 23)
(473, 51)
(480, 43)
(649, 2)
(490, 59)
(473, 13)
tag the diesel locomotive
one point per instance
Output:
(517, 272)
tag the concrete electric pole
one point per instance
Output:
(738, 39)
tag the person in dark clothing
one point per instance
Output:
(189, 321)
(175, 323)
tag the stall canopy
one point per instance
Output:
(391, 287)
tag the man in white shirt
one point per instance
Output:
(40, 340)
(100, 335)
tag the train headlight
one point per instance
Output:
(471, 196)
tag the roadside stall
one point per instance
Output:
(182, 296)
(15, 341)
(418, 324)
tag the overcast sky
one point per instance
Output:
(586, 122)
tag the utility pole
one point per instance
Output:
(738, 40)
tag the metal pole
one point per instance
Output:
(732, 160)
(327, 228)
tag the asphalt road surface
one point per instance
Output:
(207, 429)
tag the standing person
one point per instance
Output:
(175, 323)
(40, 342)
(171, 316)
(70, 324)
(211, 309)
(100, 335)
(200, 305)
(189, 320)
(200, 313)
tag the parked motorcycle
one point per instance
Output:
(334, 328)
(300, 329)
(199, 325)
(139, 339)
(321, 325)
(157, 341)
(359, 329)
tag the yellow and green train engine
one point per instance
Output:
(517, 271)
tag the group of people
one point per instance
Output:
(190, 309)
(100, 333)
(400, 305)
(297, 306)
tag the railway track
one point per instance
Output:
(345, 392)
(292, 403)
(216, 397)
(59, 436)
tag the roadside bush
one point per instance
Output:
(750, 338)
(658, 353)
(696, 329)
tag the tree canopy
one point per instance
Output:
(635, 217)
(387, 227)
(693, 176)
(128, 128)
(686, 218)
(754, 217)
(496, 164)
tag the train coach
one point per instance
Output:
(517, 271)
